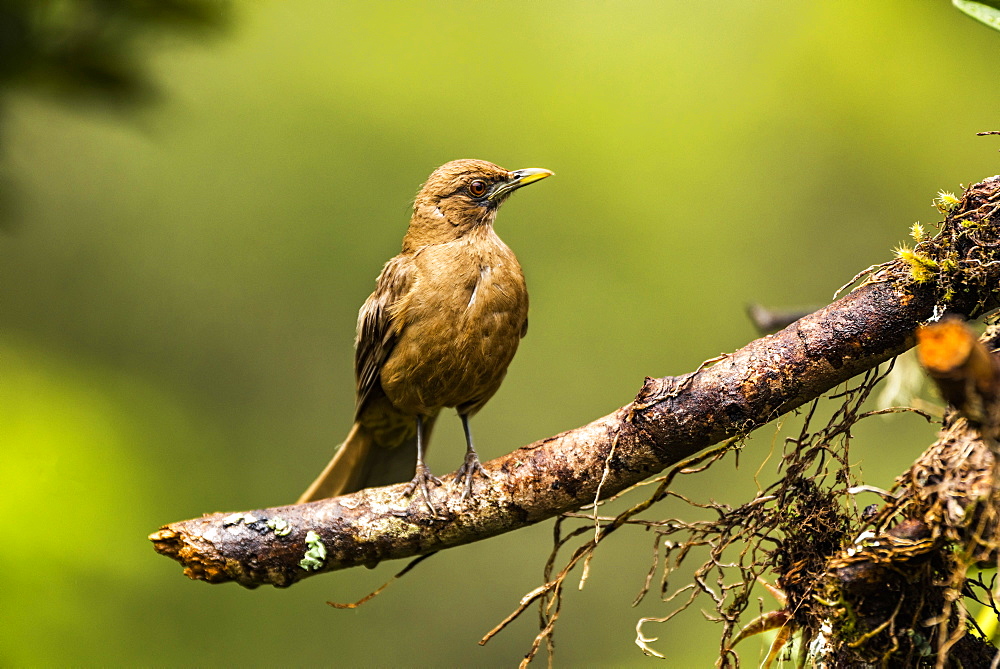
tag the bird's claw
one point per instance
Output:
(422, 477)
(471, 467)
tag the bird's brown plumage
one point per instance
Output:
(439, 331)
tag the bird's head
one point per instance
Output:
(461, 196)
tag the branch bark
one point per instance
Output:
(670, 419)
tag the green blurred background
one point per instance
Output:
(179, 283)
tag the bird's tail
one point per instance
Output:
(364, 461)
(346, 469)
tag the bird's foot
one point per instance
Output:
(471, 467)
(421, 479)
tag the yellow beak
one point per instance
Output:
(518, 179)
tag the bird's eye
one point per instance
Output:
(477, 188)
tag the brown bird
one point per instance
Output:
(444, 322)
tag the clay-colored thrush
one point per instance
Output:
(440, 329)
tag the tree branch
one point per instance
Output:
(670, 419)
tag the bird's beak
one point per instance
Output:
(517, 179)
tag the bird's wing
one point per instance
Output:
(377, 326)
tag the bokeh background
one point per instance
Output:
(180, 277)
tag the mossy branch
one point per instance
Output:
(670, 419)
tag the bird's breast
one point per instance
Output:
(460, 326)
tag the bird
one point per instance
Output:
(439, 331)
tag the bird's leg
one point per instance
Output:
(423, 474)
(471, 466)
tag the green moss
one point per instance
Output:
(946, 202)
(923, 268)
